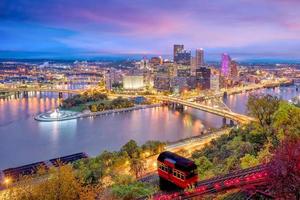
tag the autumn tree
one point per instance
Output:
(285, 170)
(137, 167)
(59, 183)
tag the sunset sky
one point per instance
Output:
(243, 28)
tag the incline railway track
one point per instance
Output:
(253, 176)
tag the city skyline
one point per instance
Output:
(72, 29)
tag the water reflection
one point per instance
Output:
(237, 102)
(53, 129)
(24, 140)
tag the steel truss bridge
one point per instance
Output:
(37, 89)
(223, 112)
(217, 108)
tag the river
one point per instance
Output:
(24, 140)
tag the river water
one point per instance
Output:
(24, 140)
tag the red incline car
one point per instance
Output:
(176, 169)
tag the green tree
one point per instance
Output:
(89, 170)
(93, 108)
(231, 163)
(204, 167)
(263, 107)
(132, 191)
(248, 161)
(287, 121)
(153, 147)
(265, 155)
(132, 149)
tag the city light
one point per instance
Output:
(7, 181)
(127, 99)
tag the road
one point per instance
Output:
(188, 146)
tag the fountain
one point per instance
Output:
(57, 115)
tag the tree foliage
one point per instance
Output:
(61, 183)
(287, 121)
(225, 152)
(263, 107)
(248, 161)
(152, 147)
(285, 170)
(132, 191)
(137, 167)
(117, 103)
(132, 149)
(204, 167)
(108, 166)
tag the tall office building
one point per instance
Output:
(233, 69)
(183, 58)
(199, 58)
(108, 77)
(225, 64)
(162, 78)
(131, 82)
(203, 78)
(214, 82)
(177, 48)
(183, 71)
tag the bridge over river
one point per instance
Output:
(226, 113)
(39, 89)
(211, 109)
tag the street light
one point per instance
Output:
(7, 181)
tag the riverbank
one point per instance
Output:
(260, 86)
(69, 115)
(5, 94)
(185, 146)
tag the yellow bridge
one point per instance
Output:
(40, 89)
(213, 110)
(210, 109)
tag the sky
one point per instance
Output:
(245, 29)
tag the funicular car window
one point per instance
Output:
(162, 167)
(178, 174)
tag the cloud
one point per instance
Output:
(152, 25)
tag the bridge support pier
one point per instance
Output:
(17, 95)
(231, 123)
(224, 121)
(25, 94)
(297, 89)
(225, 95)
(178, 106)
(175, 106)
(60, 95)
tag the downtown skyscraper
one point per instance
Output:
(225, 65)
(177, 49)
(199, 59)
